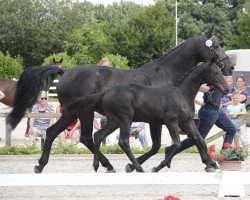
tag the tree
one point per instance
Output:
(241, 39)
(10, 67)
(145, 36)
(89, 43)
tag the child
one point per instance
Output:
(226, 99)
(234, 110)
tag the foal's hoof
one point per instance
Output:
(209, 169)
(111, 171)
(129, 168)
(37, 170)
(154, 169)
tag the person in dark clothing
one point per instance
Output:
(209, 114)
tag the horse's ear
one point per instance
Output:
(61, 60)
(54, 61)
(210, 33)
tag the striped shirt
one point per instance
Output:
(42, 123)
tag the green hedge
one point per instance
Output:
(65, 148)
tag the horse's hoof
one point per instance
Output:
(215, 165)
(129, 168)
(111, 171)
(154, 169)
(209, 169)
(95, 166)
(37, 170)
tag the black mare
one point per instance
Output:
(91, 79)
(170, 105)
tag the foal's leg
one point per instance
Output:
(51, 133)
(173, 129)
(86, 119)
(155, 132)
(194, 134)
(98, 138)
(124, 144)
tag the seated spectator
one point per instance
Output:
(38, 126)
(72, 132)
(139, 131)
(2, 95)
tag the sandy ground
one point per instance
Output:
(83, 164)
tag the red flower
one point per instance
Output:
(170, 197)
(212, 148)
(221, 158)
(226, 145)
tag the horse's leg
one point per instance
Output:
(155, 132)
(124, 144)
(194, 134)
(86, 119)
(173, 129)
(98, 138)
(27, 128)
(51, 133)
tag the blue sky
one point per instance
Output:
(105, 2)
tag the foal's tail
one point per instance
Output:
(29, 85)
(78, 104)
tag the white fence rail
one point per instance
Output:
(52, 89)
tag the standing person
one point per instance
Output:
(209, 115)
(241, 88)
(38, 126)
(72, 132)
(234, 110)
(2, 95)
(139, 131)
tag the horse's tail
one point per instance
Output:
(79, 104)
(29, 85)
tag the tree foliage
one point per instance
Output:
(37, 29)
(146, 35)
(10, 67)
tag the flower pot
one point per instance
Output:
(231, 165)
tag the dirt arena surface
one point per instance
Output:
(83, 164)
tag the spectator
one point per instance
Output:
(2, 95)
(38, 126)
(72, 132)
(227, 98)
(104, 62)
(241, 88)
(234, 110)
(138, 130)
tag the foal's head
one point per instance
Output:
(214, 77)
(211, 50)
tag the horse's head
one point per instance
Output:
(211, 50)
(214, 77)
(57, 63)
